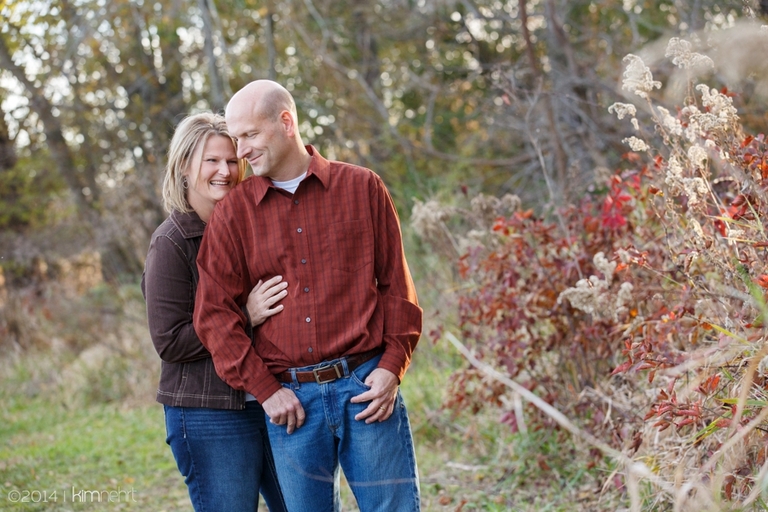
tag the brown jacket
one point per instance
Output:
(169, 284)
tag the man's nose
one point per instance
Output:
(241, 151)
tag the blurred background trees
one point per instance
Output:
(437, 96)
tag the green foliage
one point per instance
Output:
(27, 195)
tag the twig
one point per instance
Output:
(632, 467)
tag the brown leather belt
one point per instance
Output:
(330, 372)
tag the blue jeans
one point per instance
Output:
(224, 457)
(378, 459)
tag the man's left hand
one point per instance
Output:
(382, 396)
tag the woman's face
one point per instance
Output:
(212, 174)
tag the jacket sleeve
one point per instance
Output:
(219, 319)
(168, 288)
(402, 314)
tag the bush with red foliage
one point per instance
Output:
(653, 289)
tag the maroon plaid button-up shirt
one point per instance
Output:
(337, 242)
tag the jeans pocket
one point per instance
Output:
(354, 378)
(359, 374)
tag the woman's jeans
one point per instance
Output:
(225, 457)
(378, 459)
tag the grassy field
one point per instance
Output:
(63, 446)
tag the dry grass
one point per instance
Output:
(83, 372)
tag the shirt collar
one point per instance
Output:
(190, 224)
(318, 167)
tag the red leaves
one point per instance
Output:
(754, 155)
(508, 300)
(709, 386)
(623, 367)
(617, 204)
(720, 227)
(669, 412)
(762, 281)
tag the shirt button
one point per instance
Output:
(309, 349)
(303, 261)
(298, 230)
(307, 319)
(296, 201)
(306, 290)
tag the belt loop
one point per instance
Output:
(344, 365)
(293, 377)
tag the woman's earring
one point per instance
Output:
(184, 183)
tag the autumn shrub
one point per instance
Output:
(640, 312)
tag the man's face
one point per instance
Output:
(260, 141)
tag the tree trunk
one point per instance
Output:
(7, 151)
(214, 74)
(81, 181)
(560, 158)
(269, 28)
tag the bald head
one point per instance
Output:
(261, 99)
(262, 118)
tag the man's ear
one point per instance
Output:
(288, 123)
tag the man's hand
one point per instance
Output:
(283, 408)
(382, 396)
(263, 296)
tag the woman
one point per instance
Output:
(217, 434)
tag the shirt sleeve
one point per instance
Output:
(219, 319)
(402, 314)
(167, 285)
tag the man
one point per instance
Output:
(327, 368)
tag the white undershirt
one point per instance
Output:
(290, 185)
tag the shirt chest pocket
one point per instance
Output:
(350, 245)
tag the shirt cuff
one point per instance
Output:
(269, 386)
(394, 363)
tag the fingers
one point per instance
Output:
(283, 408)
(269, 287)
(272, 281)
(295, 420)
(264, 296)
(376, 411)
(381, 396)
(274, 293)
(364, 397)
(291, 425)
(300, 416)
(270, 292)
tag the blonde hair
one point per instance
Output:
(190, 136)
